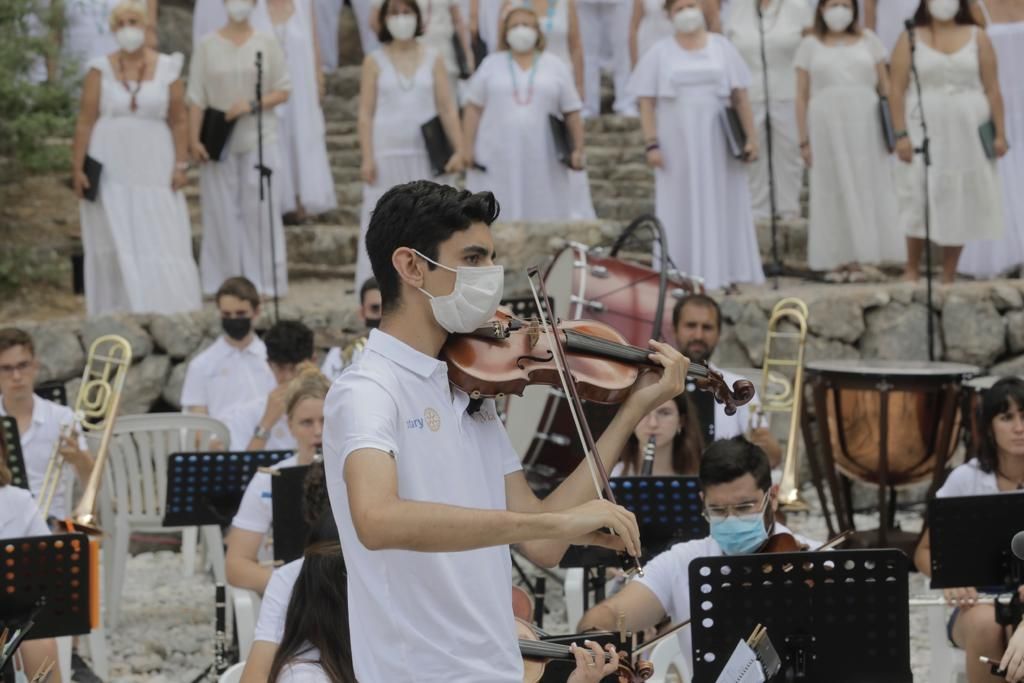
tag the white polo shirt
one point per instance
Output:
(37, 446)
(423, 616)
(256, 511)
(243, 419)
(19, 514)
(970, 480)
(270, 624)
(222, 376)
(668, 577)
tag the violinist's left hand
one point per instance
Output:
(653, 389)
(1013, 659)
(589, 667)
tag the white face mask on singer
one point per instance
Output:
(522, 38)
(943, 10)
(130, 38)
(401, 26)
(689, 20)
(238, 10)
(838, 18)
(473, 300)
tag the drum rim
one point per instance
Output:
(882, 367)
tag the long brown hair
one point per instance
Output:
(686, 445)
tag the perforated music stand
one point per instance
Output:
(840, 616)
(53, 391)
(206, 488)
(290, 527)
(56, 570)
(970, 541)
(525, 307)
(10, 445)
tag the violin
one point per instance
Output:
(538, 653)
(509, 354)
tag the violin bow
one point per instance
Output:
(598, 473)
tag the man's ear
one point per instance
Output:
(773, 497)
(407, 265)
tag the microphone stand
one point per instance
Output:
(774, 270)
(925, 151)
(266, 186)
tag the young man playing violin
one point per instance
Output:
(739, 503)
(425, 487)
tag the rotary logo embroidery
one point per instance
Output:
(432, 419)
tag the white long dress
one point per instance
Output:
(784, 23)
(87, 33)
(489, 22)
(889, 18)
(987, 258)
(403, 105)
(136, 235)
(604, 30)
(327, 15)
(654, 25)
(701, 195)
(514, 142)
(963, 188)
(305, 171)
(853, 212)
(438, 29)
(209, 16)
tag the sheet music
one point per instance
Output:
(742, 667)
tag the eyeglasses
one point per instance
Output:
(22, 367)
(719, 513)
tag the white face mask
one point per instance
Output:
(130, 38)
(838, 18)
(401, 26)
(473, 300)
(238, 10)
(943, 10)
(689, 20)
(522, 38)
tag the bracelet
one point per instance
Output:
(805, 143)
(182, 166)
(901, 134)
(260, 433)
(651, 147)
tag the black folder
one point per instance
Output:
(215, 132)
(888, 131)
(479, 48)
(987, 133)
(735, 136)
(563, 141)
(439, 147)
(92, 169)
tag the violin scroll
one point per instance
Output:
(741, 393)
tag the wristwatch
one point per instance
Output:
(260, 433)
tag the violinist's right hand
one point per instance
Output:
(589, 667)
(585, 525)
(964, 598)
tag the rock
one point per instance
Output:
(938, 295)
(898, 332)
(178, 335)
(751, 328)
(144, 384)
(819, 348)
(1009, 368)
(1014, 321)
(124, 326)
(174, 30)
(731, 309)
(59, 350)
(973, 330)
(841, 319)
(1006, 297)
(175, 381)
(730, 352)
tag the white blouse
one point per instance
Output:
(784, 24)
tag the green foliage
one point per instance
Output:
(19, 267)
(35, 118)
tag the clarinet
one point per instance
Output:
(220, 655)
(648, 461)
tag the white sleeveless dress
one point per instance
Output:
(963, 188)
(992, 257)
(136, 235)
(304, 171)
(403, 105)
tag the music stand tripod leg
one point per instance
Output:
(811, 448)
(883, 464)
(843, 516)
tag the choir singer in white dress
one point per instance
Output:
(853, 215)
(136, 234)
(307, 185)
(509, 103)
(702, 195)
(960, 93)
(222, 76)
(648, 25)
(86, 30)
(403, 85)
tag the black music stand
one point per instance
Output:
(840, 616)
(668, 511)
(525, 307)
(290, 527)
(206, 488)
(53, 391)
(970, 541)
(10, 446)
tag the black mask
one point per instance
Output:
(372, 323)
(236, 328)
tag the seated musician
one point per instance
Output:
(697, 321)
(234, 368)
(258, 423)
(425, 486)
(739, 502)
(677, 438)
(20, 517)
(303, 405)
(998, 467)
(337, 358)
(40, 421)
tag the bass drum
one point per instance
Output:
(585, 285)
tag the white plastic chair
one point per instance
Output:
(246, 607)
(670, 665)
(233, 674)
(946, 664)
(134, 493)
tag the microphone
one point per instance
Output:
(909, 25)
(648, 463)
(1017, 545)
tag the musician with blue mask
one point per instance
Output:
(739, 504)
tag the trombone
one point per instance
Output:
(95, 408)
(779, 394)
